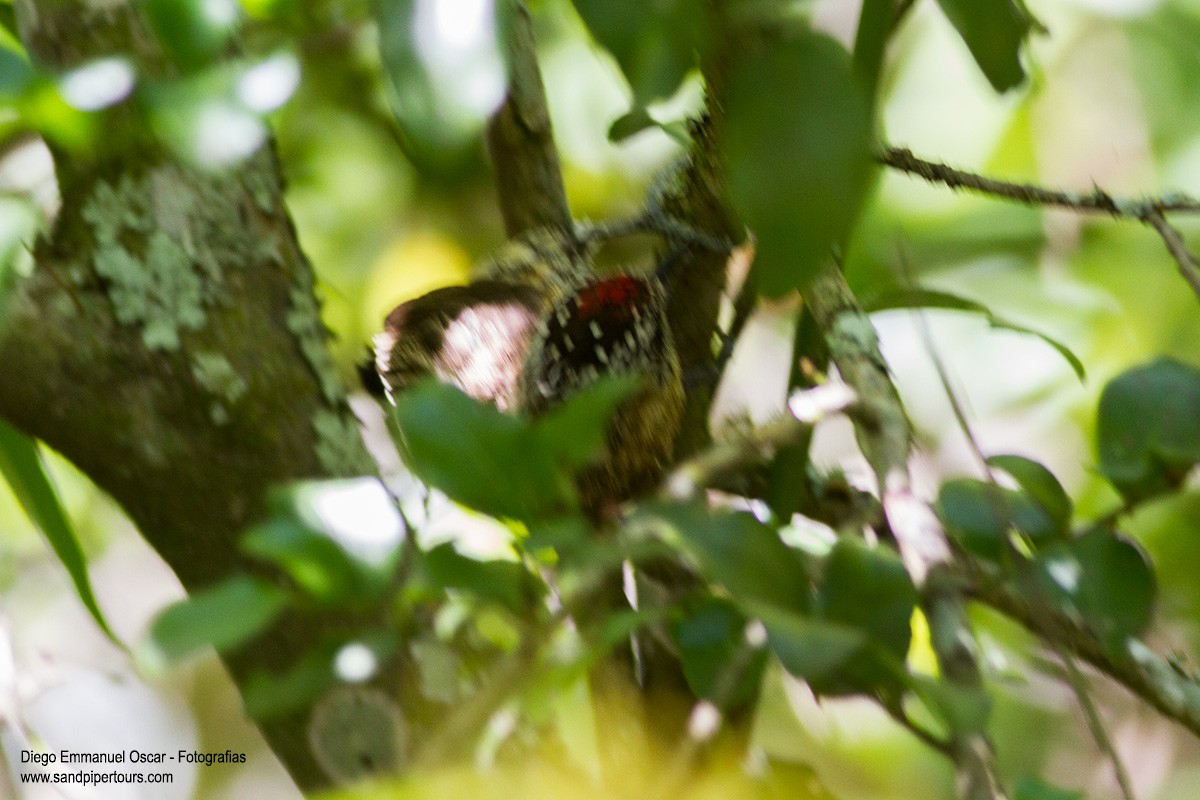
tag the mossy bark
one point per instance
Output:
(169, 344)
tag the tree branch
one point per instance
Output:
(884, 436)
(1149, 210)
(169, 343)
(1158, 682)
(520, 140)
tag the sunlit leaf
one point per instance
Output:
(23, 470)
(477, 455)
(222, 617)
(798, 152)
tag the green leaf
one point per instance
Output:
(501, 464)
(993, 31)
(574, 432)
(798, 149)
(868, 588)
(1103, 578)
(808, 648)
(507, 583)
(317, 564)
(16, 73)
(917, 297)
(1032, 788)
(268, 696)
(711, 637)
(655, 44)
(981, 516)
(222, 616)
(22, 467)
(493, 462)
(1040, 485)
(870, 42)
(1147, 428)
(740, 553)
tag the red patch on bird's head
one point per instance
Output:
(621, 291)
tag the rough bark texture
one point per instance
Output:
(169, 344)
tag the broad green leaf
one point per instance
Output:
(1101, 577)
(316, 563)
(810, 649)
(222, 616)
(1147, 428)
(493, 462)
(575, 431)
(917, 297)
(1031, 788)
(993, 31)
(501, 464)
(1040, 485)
(981, 517)
(655, 44)
(507, 583)
(798, 150)
(739, 552)
(23, 470)
(869, 589)
(269, 696)
(717, 663)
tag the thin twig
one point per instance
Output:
(928, 739)
(1090, 713)
(1098, 200)
(1135, 666)
(1173, 239)
(1147, 210)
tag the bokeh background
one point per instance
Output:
(1113, 100)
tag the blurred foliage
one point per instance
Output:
(377, 111)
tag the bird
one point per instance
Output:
(537, 327)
